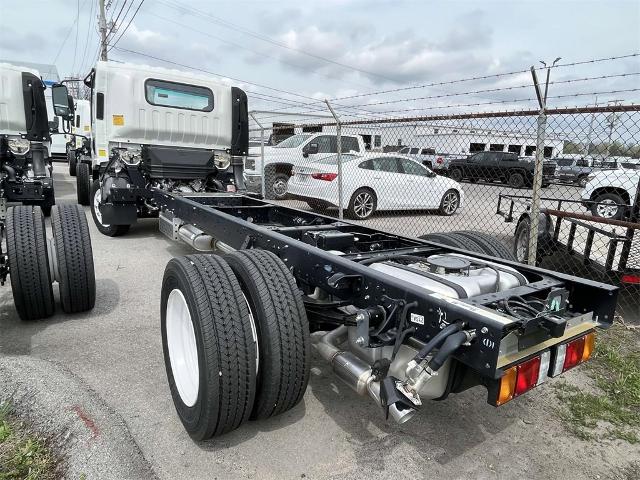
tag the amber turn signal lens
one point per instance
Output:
(507, 386)
(589, 346)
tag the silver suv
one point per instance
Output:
(573, 170)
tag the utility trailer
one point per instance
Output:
(404, 320)
(607, 249)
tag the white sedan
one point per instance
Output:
(375, 182)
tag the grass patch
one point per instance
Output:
(23, 455)
(613, 412)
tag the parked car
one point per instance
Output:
(573, 170)
(438, 162)
(505, 167)
(301, 149)
(613, 192)
(375, 182)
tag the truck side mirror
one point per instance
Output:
(60, 100)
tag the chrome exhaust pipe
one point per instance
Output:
(201, 241)
(355, 372)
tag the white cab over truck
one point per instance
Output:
(32, 261)
(158, 128)
(25, 141)
(297, 151)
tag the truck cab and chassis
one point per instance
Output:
(403, 320)
(400, 320)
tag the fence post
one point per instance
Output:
(262, 192)
(339, 158)
(537, 188)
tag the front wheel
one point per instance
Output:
(449, 203)
(516, 180)
(456, 174)
(363, 204)
(83, 184)
(276, 186)
(608, 205)
(521, 241)
(96, 201)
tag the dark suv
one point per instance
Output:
(505, 167)
(573, 170)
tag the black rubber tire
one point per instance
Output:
(516, 180)
(442, 210)
(452, 240)
(108, 230)
(83, 184)
(282, 327)
(29, 263)
(488, 244)
(456, 174)
(318, 205)
(351, 210)
(77, 280)
(224, 340)
(270, 180)
(620, 212)
(73, 162)
(582, 181)
(521, 229)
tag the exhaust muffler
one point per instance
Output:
(355, 372)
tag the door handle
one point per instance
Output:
(376, 178)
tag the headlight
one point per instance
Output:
(19, 146)
(222, 162)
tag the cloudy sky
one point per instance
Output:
(337, 48)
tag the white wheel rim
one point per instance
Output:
(183, 350)
(254, 331)
(450, 203)
(522, 245)
(363, 205)
(97, 200)
(607, 208)
(280, 188)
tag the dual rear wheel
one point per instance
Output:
(35, 262)
(235, 337)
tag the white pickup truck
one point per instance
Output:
(296, 151)
(613, 192)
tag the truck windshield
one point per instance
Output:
(293, 142)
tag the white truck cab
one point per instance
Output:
(159, 128)
(25, 141)
(295, 151)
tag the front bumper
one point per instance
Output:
(31, 191)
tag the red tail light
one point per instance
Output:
(633, 279)
(527, 376)
(328, 177)
(568, 355)
(439, 160)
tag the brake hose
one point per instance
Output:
(436, 341)
(451, 344)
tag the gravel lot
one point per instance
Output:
(333, 433)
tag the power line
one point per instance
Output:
(128, 25)
(264, 38)
(66, 37)
(75, 50)
(114, 23)
(86, 43)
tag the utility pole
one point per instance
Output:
(103, 32)
(612, 123)
(593, 117)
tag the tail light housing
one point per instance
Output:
(328, 177)
(521, 378)
(439, 161)
(524, 376)
(573, 353)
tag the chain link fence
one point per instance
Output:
(559, 188)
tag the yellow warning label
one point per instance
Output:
(102, 152)
(87, 128)
(118, 120)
